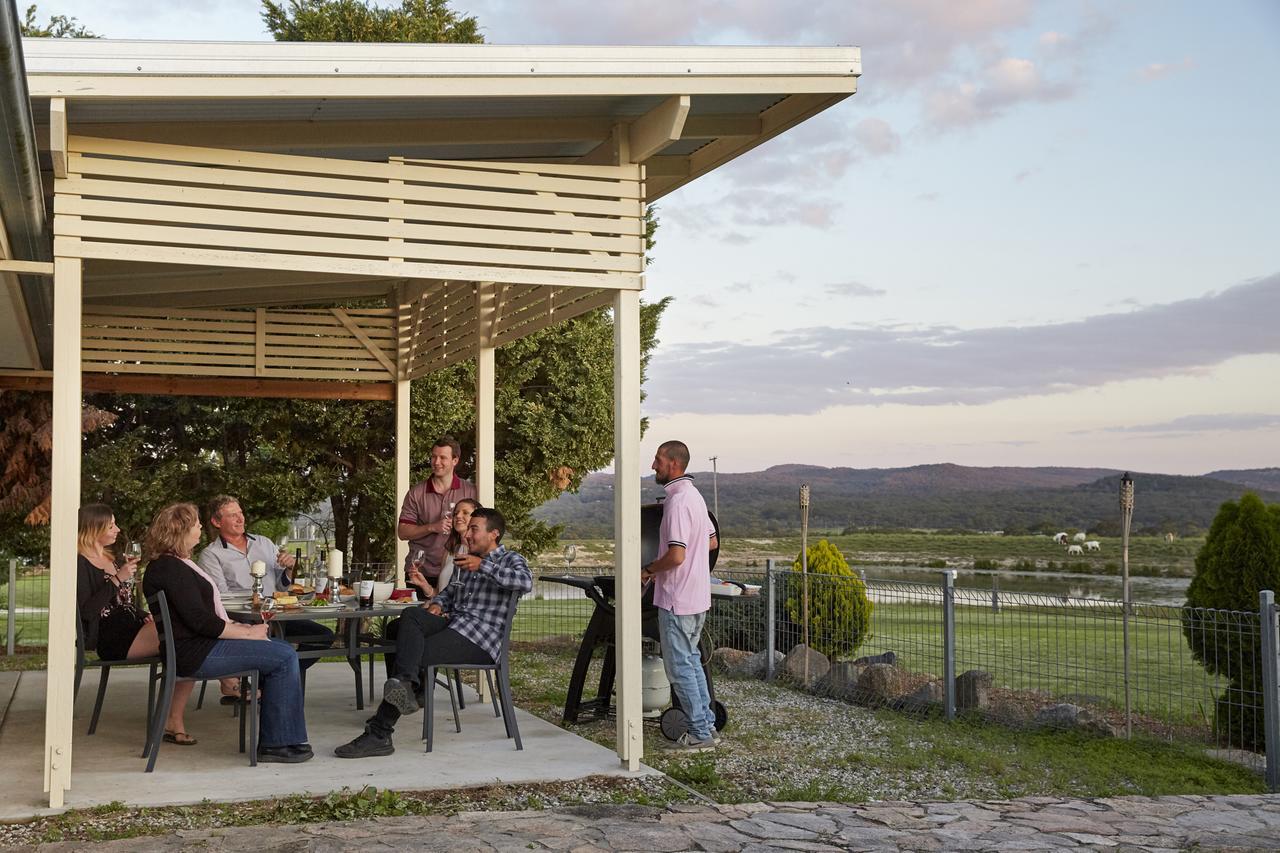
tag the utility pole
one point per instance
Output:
(715, 488)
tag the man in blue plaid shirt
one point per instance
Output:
(463, 624)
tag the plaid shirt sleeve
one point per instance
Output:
(479, 605)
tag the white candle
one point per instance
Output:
(335, 563)
(258, 569)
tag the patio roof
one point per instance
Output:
(215, 204)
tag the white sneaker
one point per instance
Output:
(688, 743)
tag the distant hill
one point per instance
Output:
(927, 497)
(1254, 478)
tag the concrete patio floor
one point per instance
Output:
(107, 767)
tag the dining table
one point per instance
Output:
(349, 616)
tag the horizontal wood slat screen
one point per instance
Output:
(354, 344)
(512, 224)
(446, 324)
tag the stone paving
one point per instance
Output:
(1031, 823)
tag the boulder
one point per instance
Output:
(1067, 716)
(840, 682)
(725, 659)
(972, 689)
(805, 666)
(888, 657)
(879, 684)
(756, 665)
(926, 697)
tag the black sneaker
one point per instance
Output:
(292, 754)
(365, 746)
(400, 694)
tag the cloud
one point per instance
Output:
(877, 137)
(853, 289)
(1157, 70)
(807, 370)
(1227, 422)
(1002, 85)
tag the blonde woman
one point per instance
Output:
(210, 645)
(113, 625)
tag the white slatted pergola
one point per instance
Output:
(214, 204)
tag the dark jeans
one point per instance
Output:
(422, 639)
(313, 635)
(277, 663)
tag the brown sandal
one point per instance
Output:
(180, 738)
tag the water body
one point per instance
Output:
(1166, 591)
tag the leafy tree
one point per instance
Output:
(59, 26)
(354, 21)
(1239, 558)
(839, 609)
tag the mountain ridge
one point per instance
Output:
(933, 496)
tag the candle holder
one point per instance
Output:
(258, 569)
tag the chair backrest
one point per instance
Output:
(159, 606)
(510, 618)
(80, 655)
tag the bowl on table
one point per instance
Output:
(382, 591)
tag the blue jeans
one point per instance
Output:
(683, 663)
(277, 664)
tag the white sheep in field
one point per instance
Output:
(1079, 537)
(1074, 550)
(1060, 538)
(1093, 545)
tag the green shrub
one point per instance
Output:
(1239, 558)
(839, 609)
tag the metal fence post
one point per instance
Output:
(11, 620)
(995, 593)
(770, 617)
(1269, 617)
(949, 642)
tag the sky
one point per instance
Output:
(1039, 234)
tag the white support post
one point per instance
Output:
(485, 378)
(626, 523)
(65, 505)
(402, 468)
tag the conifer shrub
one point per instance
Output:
(1239, 558)
(839, 609)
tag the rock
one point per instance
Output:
(841, 681)
(887, 657)
(878, 684)
(1068, 716)
(795, 665)
(972, 690)
(923, 698)
(727, 659)
(755, 666)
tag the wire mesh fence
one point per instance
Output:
(1021, 658)
(1017, 657)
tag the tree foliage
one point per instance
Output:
(354, 21)
(839, 609)
(1240, 558)
(59, 26)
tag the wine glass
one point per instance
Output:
(570, 553)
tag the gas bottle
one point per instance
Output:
(656, 688)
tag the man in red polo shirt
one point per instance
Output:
(426, 518)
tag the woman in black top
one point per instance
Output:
(209, 645)
(112, 624)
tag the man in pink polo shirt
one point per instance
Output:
(682, 591)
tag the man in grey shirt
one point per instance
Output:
(226, 560)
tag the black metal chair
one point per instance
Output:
(502, 693)
(168, 676)
(83, 662)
